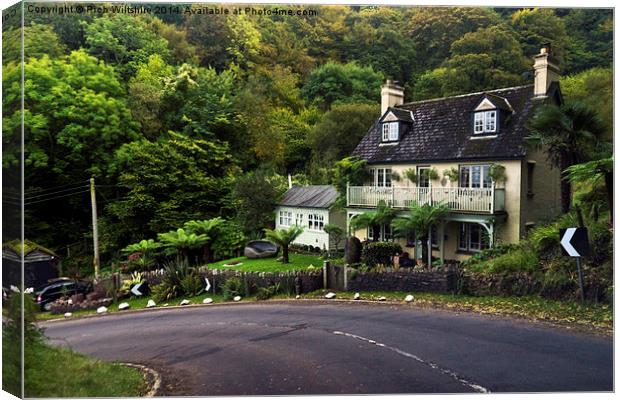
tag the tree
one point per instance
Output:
(348, 171)
(335, 233)
(182, 242)
(39, 40)
(593, 88)
(537, 26)
(124, 41)
(383, 215)
(593, 171)
(590, 43)
(342, 83)
(419, 222)
(208, 227)
(567, 135)
(255, 194)
(434, 29)
(147, 249)
(284, 237)
(165, 183)
(340, 130)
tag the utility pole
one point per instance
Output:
(93, 205)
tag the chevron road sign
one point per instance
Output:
(574, 242)
(208, 284)
(134, 290)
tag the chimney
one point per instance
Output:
(391, 95)
(546, 70)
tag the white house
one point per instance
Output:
(310, 207)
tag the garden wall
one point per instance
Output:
(307, 281)
(443, 280)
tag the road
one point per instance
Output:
(301, 348)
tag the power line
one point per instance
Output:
(54, 198)
(55, 187)
(52, 193)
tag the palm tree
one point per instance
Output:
(147, 248)
(566, 134)
(374, 219)
(182, 242)
(335, 232)
(284, 237)
(209, 227)
(420, 221)
(593, 171)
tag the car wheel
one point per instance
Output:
(47, 306)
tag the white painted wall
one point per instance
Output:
(309, 236)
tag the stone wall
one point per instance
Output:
(308, 281)
(443, 280)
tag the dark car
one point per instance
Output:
(47, 293)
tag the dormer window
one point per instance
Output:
(390, 131)
(485, 122)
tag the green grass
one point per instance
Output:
(58, 372)
(597, 316)
(297, 262)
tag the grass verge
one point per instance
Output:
(297, 262)
(597, 317)
(57, 372)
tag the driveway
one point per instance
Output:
(301, 348)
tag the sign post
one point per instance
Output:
(575, 244)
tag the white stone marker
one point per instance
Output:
(382, 298)
(237, 298)
(356, 296)
(123, 306)
(330, 295)
(208, 300)
(150, 304)
(185, 302)
(68, 315)
(102, 310)
(409, 298)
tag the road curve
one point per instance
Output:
(285, 349)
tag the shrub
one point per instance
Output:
(179, 279)
(266, 293)
(380, 253)
(486, 254)
(233, 287)
(521, 259)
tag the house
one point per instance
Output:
(467, 152)
(311, 208)
(40, 264)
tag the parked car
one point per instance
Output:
(48, 293)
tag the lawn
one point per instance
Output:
(297, 262)
(589, 315)
(58, 372)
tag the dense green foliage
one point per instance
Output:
(187, 117)
(380, 253)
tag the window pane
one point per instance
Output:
(380, 177)
(475, 176)
(463, 236)
(388, 177)
(489, 121)
(478, 122)
(393, 131)
(464, 178)
(474, 237)
(486, 177)
(386, 128)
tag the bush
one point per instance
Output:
(380, 253)
(521, 259)
(179, 279)
(233, 287)
(268, 292)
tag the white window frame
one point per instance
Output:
(386, 233)
(485, 122)
(467, 229)
(485, 170)
(316, 222)
(286, 218)
(299, 219)
(386, 177)
(389, 131)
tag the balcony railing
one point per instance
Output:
(479, 200)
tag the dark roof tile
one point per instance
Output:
(314, 196)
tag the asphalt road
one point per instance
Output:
(291, 348)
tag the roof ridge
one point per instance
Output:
(462, 95)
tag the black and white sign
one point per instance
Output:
(135, 290)
(574, 242)
(208, 284)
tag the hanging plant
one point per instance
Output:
(497, 173)
(411, 174)
(431, 173)
(452, 174)
(396, 176)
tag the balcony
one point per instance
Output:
(478, 200)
